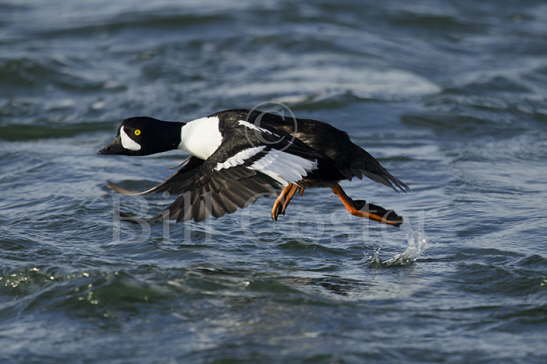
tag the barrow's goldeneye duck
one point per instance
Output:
(238, 156)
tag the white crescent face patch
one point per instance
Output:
(127, 142)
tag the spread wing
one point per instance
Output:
(187, 168)
(209, 192)
(245, 167)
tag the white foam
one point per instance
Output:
(417, 244)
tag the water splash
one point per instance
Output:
(416, 245)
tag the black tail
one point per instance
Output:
(364, 164)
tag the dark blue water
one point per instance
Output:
(449, 95)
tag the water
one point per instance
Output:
(450, 96)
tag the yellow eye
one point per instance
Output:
(137, 132)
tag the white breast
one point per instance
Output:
(201, 137)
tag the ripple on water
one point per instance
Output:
(88, 293)
(449, 95)
(523, 277)
(310, 249)
(36, 74)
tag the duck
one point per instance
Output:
(237, 156)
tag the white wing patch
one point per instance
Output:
(239, 158)
(284, 167)
(254, 127)
(127, 142)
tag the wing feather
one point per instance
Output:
(218, 193)
(170, 184)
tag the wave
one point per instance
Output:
(57, 130)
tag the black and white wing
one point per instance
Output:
(209, 192)
(245, 167)
(349, 159)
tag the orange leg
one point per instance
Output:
(276, 208)
(284, 198)
(290, 196)
(350, 207)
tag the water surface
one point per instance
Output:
(450, 96)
